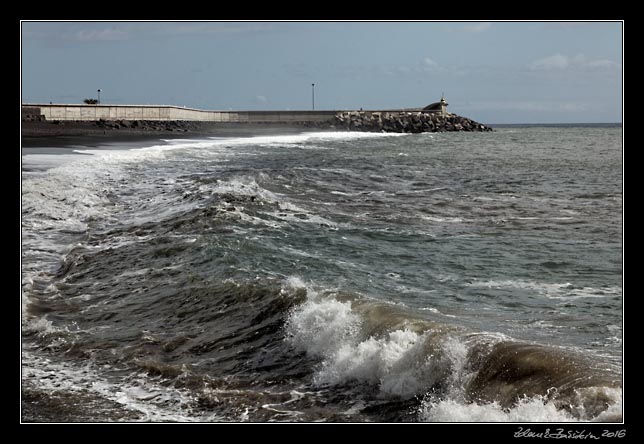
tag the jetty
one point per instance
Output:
(431, 118)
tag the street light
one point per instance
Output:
(313, 95)
(99, 96)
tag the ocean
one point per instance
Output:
(326, 276)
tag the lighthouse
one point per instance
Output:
(438, 107)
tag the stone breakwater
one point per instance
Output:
(149, 125)
(406, 122)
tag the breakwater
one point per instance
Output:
(406, 122)
(173, 118)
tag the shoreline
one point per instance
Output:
(36, 131)
(67, 134)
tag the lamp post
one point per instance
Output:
(99, 96)
(313, 95)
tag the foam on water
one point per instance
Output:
(397, 361)
(219, 144)
(63, 197)
(83, 187)
(146, 399)
(321, 326)
(453, 220)
(37, 163)
(414, 358)
(297, 139)
(528, 409)
(244, 186)
(122, 247)
(563, 291)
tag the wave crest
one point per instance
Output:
(461, 375)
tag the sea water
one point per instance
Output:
(326, 276)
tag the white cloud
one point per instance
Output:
(557, 61)
(100, 35)
(578, 59)
(477, 27)
(603, 63)
(261, 99)
(573, 107)
(429, 63)
(87, 32)
(563, 62)
(422, 67)
(209, 28)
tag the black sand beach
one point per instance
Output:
(61, 134)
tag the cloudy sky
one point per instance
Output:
(493, 72)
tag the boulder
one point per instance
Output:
(406, 122)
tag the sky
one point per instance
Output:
(492, 72)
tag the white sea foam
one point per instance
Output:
(319, 135)
(286, 140)
(453, 407)
(322, 327)
(617, 334)
(389, 362)
(244, 186)
(423, 191)
(452, 220)
(297, 214)
(405, 362)
(141, 395)
(76, 188)
(63, 197)
(397, 362)
(44, 328)
(287, 211)
(60, 203)
(37, 163)
(285, 412)
(563, 291)
(529, 409)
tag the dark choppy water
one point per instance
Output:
(326, 277)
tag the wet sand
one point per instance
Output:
(49, 135)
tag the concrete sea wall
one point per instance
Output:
(53, 112)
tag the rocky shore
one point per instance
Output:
(406, 122)
(149, 125)
(63, 127)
